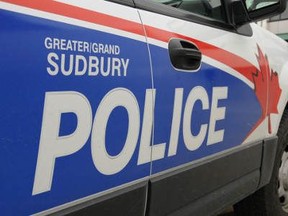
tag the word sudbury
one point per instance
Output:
(80, 65)
(82, 58)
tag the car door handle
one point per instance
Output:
(184, 55)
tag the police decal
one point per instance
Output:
(53, 146)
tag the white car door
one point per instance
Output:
(210, 97)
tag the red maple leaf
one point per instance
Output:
(267, 88)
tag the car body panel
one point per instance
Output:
(128, 104)
(45, 69)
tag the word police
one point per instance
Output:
(53, 146)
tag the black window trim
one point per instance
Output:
(181, 14)
(151, 6)
(154, 7)
(124, 2)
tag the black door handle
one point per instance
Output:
(184, 55)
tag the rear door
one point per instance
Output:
(208, 97)
(73, 83)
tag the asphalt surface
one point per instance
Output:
(227, 212)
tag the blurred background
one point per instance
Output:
(277, 24)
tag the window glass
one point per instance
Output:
(209, 8)
(258, 4)
(282, 16)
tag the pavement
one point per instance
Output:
(227, 212)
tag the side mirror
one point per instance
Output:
(244, 11)
(261, 9)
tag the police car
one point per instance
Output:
(142, 107)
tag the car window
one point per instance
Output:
(209, 8)
(258, 4)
